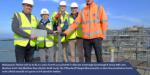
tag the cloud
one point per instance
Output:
(124, 17)
(128, 18)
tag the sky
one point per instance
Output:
(121, 13)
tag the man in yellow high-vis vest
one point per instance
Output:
(60, 23)
(45, 44)
(22, 25)
(75, 41)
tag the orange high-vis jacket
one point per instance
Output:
(94, 22)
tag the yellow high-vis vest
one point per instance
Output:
(46, 41)
(63, 19)
(27, 27)
(73, 34)
(77, 32)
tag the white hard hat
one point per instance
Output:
(74, 4)
(28, 2)
(44, 11)
(62, 3)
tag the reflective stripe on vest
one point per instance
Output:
(44, 41)
(90, 22)
(92, 33)
(27, 28)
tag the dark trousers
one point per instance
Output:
(24, 54)
(88, 44)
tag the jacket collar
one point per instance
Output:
(25, 13)
(44, 22)
(74, 16)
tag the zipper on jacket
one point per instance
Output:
(89, 23)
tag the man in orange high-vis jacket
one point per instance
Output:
(94, 26)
